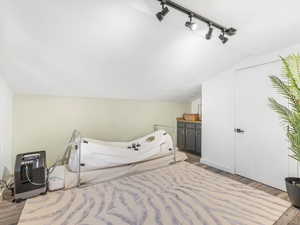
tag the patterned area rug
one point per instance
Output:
(181, 194)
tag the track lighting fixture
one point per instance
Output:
(209, 33)
(223, 38)
(160, 15)
(189, 24)
(193, 15)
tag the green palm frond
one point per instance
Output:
(285, 91)
(288, 71)
(289, 88)
(283, 111)
(293, 62)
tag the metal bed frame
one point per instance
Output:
(76, 140)
(74, 143)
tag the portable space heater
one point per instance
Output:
(30, 175)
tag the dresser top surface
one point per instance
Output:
(185, 121)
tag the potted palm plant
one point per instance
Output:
(289, 87)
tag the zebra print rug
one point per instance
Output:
(181, 194)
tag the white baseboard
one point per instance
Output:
(215, 165)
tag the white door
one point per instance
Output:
(261, 150)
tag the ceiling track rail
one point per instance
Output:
(229, 31)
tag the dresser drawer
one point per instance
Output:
(190, 125)
(198, 125)
(180, 124)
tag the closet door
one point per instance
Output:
(261, 148)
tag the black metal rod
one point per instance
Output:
(229, 31)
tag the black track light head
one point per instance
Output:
(223, 38)
(209, 33)
(231, 31)
(190, 24)
(160, 15)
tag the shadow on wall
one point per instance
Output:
(4, 173)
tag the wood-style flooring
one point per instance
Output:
(10, 212)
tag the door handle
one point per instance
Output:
(238, 130)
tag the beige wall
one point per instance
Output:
(6, 114)
(46, 122)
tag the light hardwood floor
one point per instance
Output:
(10, 212)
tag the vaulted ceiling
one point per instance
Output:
(118, 49)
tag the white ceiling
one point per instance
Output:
(118, 49)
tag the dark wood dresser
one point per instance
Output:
(189, 136)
